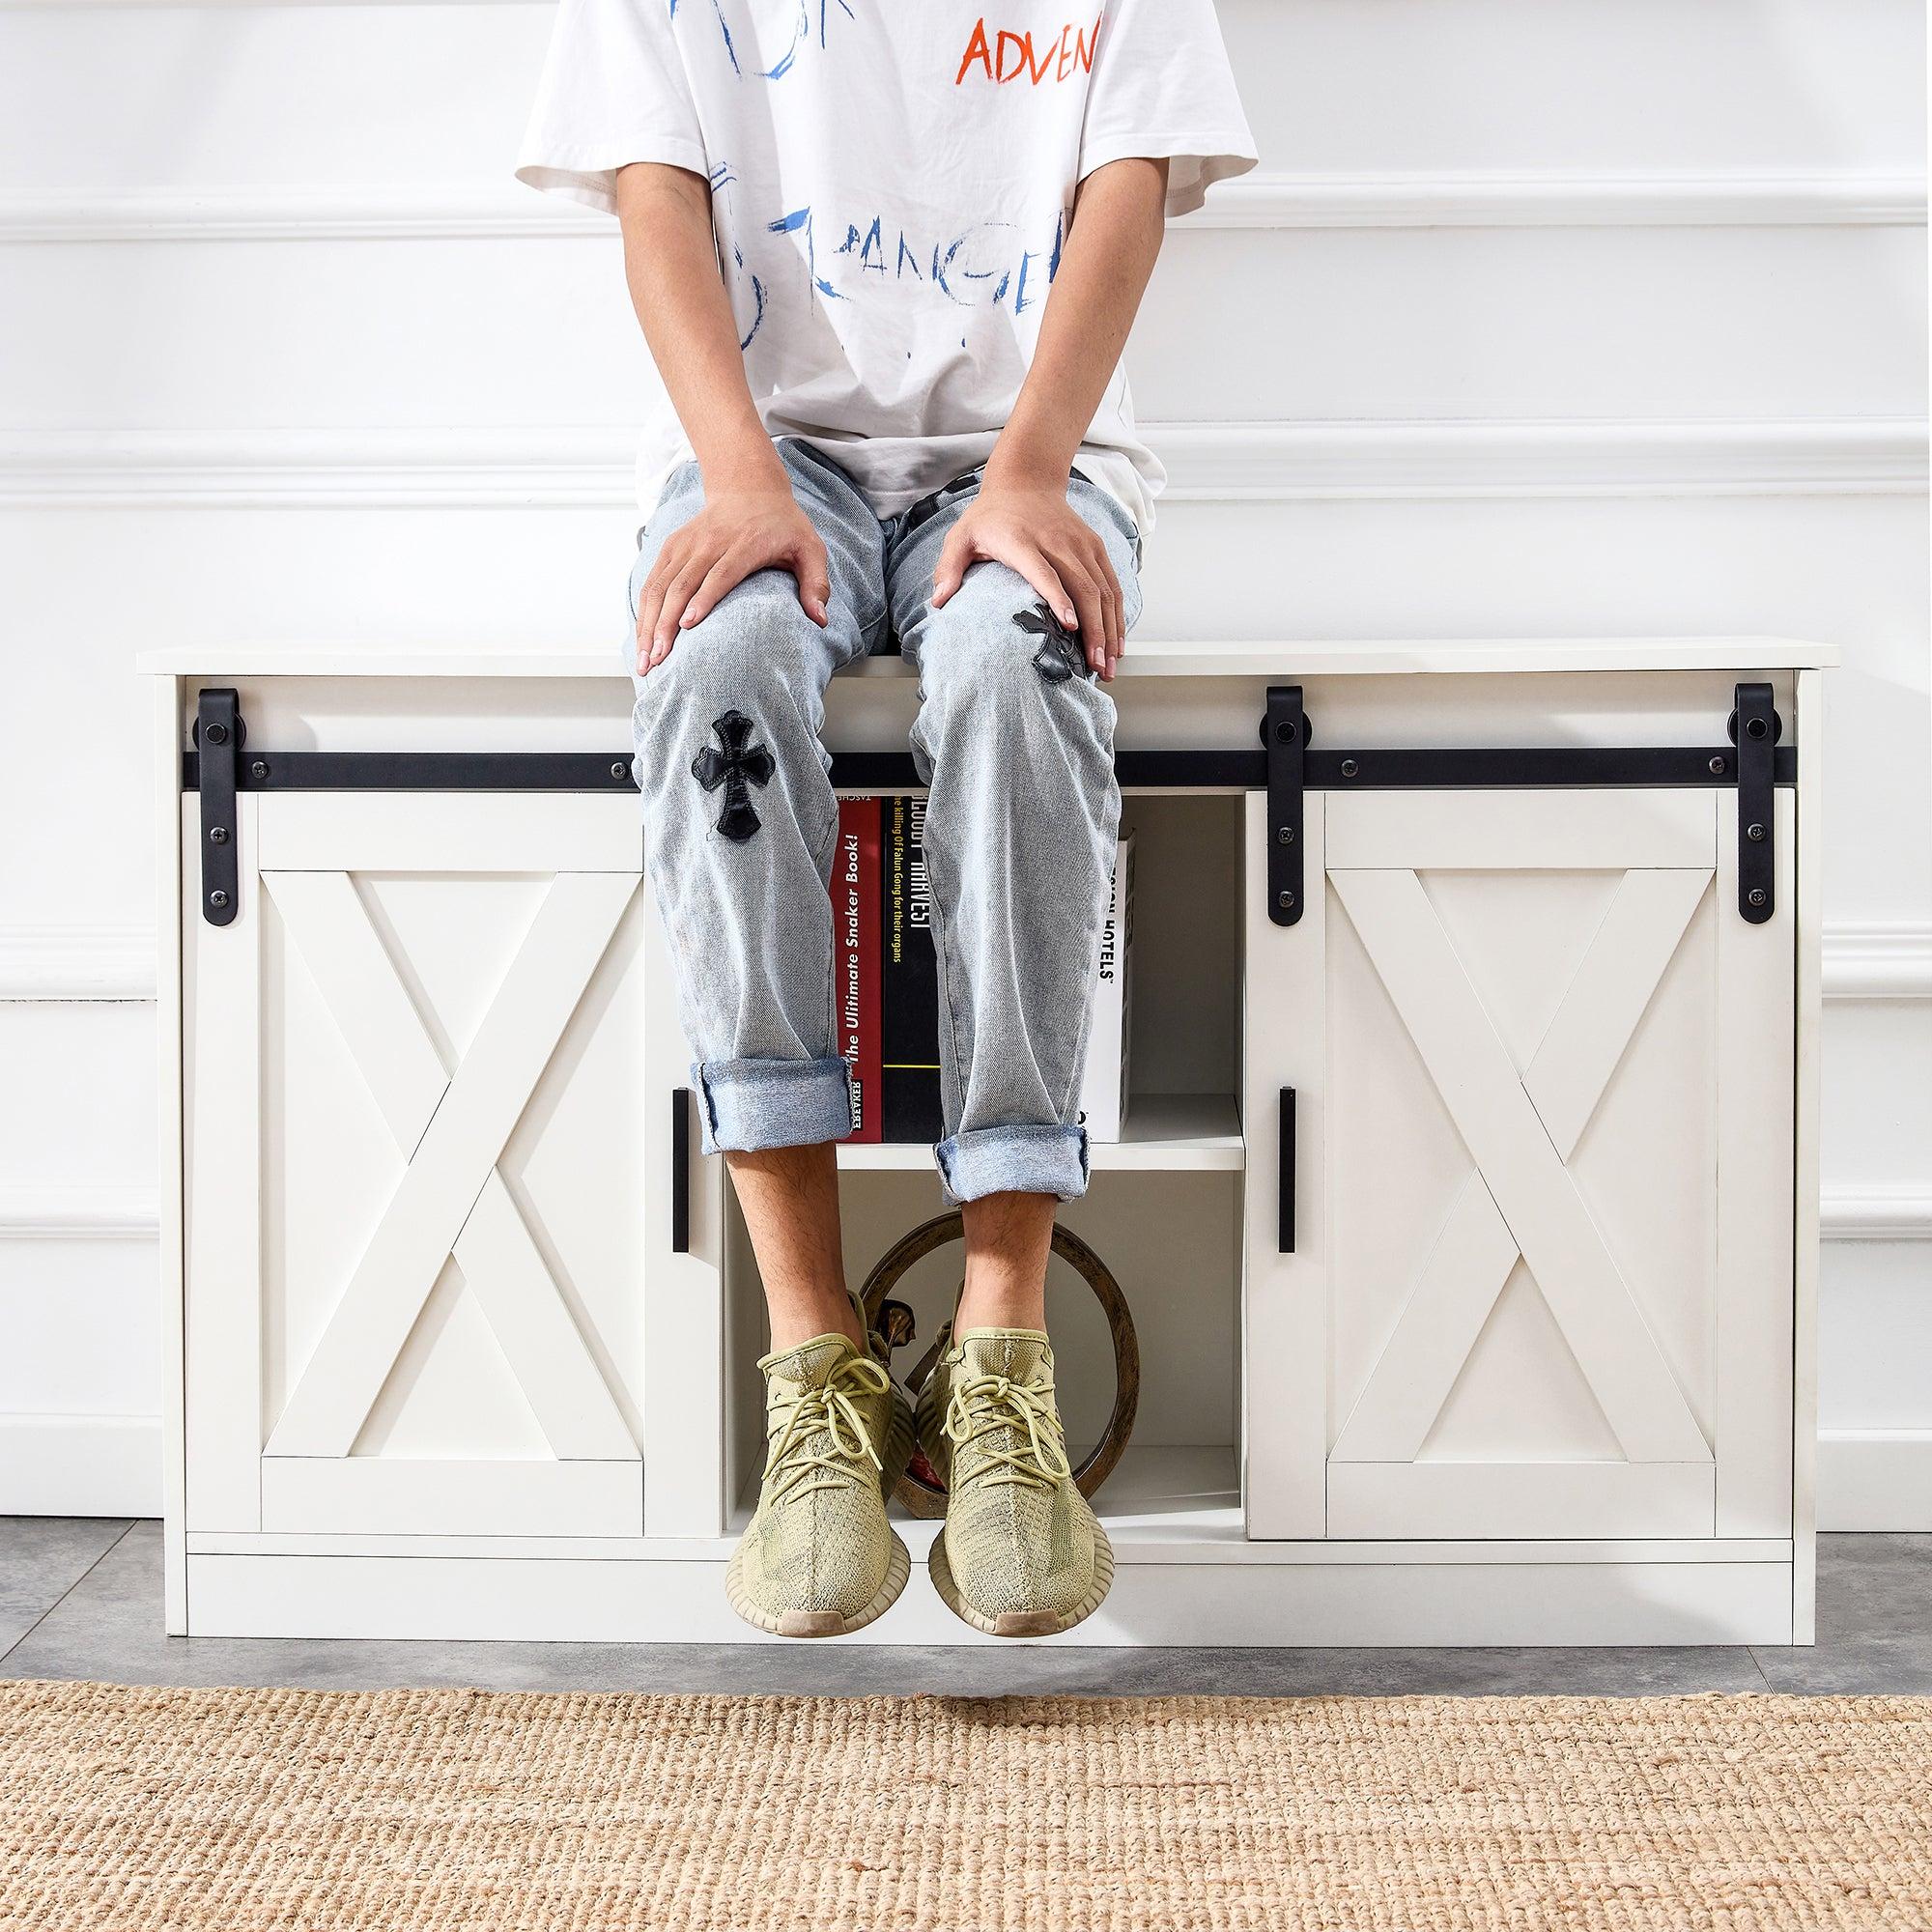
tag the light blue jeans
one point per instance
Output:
(1014, 739)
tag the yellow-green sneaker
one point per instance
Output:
(818, 1557)
(1020, 1552)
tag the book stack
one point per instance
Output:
(885, 976)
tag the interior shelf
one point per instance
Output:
(1165, 1133)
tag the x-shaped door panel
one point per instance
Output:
(1521, 1132)
(451, 1129)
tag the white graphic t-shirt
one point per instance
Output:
(891, 186)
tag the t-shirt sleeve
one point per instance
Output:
(614, 90)
(1162, 88)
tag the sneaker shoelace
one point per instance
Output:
(822, 1442)
(1033, 1457)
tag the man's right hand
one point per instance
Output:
(737, 532)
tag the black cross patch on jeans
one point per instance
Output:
(740, 765)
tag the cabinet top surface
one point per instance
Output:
(1260, 658)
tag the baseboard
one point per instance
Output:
(80, 1465)
(1875, 1479)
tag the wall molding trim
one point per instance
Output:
(62, 963)
(1415, 199)
(1207, 462)
(1878, 962)
(57, 963)
(1545, 198)
(1876, 1215)
(117, 963)
(101, 964)
(56, 1211)
(53, 1211)
(1356, 460)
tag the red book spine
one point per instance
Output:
(855, 947)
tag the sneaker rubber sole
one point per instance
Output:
(819, 1623)
(1022, 1622)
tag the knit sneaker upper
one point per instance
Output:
(818, 1542)
(1019, 1536)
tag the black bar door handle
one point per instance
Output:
(680, 1170)
(1285, 1230)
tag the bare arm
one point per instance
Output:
(750, 520)
(1021, 517)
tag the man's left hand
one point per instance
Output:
(1034, 530)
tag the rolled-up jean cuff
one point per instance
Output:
(748, 1104)
(1014, 1160)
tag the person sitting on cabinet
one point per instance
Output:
(886, 254)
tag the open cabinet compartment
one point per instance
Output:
(1163, 1211)
(1172, 1240)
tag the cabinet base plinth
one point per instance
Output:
(657, 1600)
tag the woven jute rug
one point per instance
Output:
(309, 1812)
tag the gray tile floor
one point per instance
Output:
(82, 1599)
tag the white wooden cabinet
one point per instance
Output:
(1468, 1216)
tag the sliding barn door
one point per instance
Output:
(1540, 1077)
(415, 1255)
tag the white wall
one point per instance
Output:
(1582, 317)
